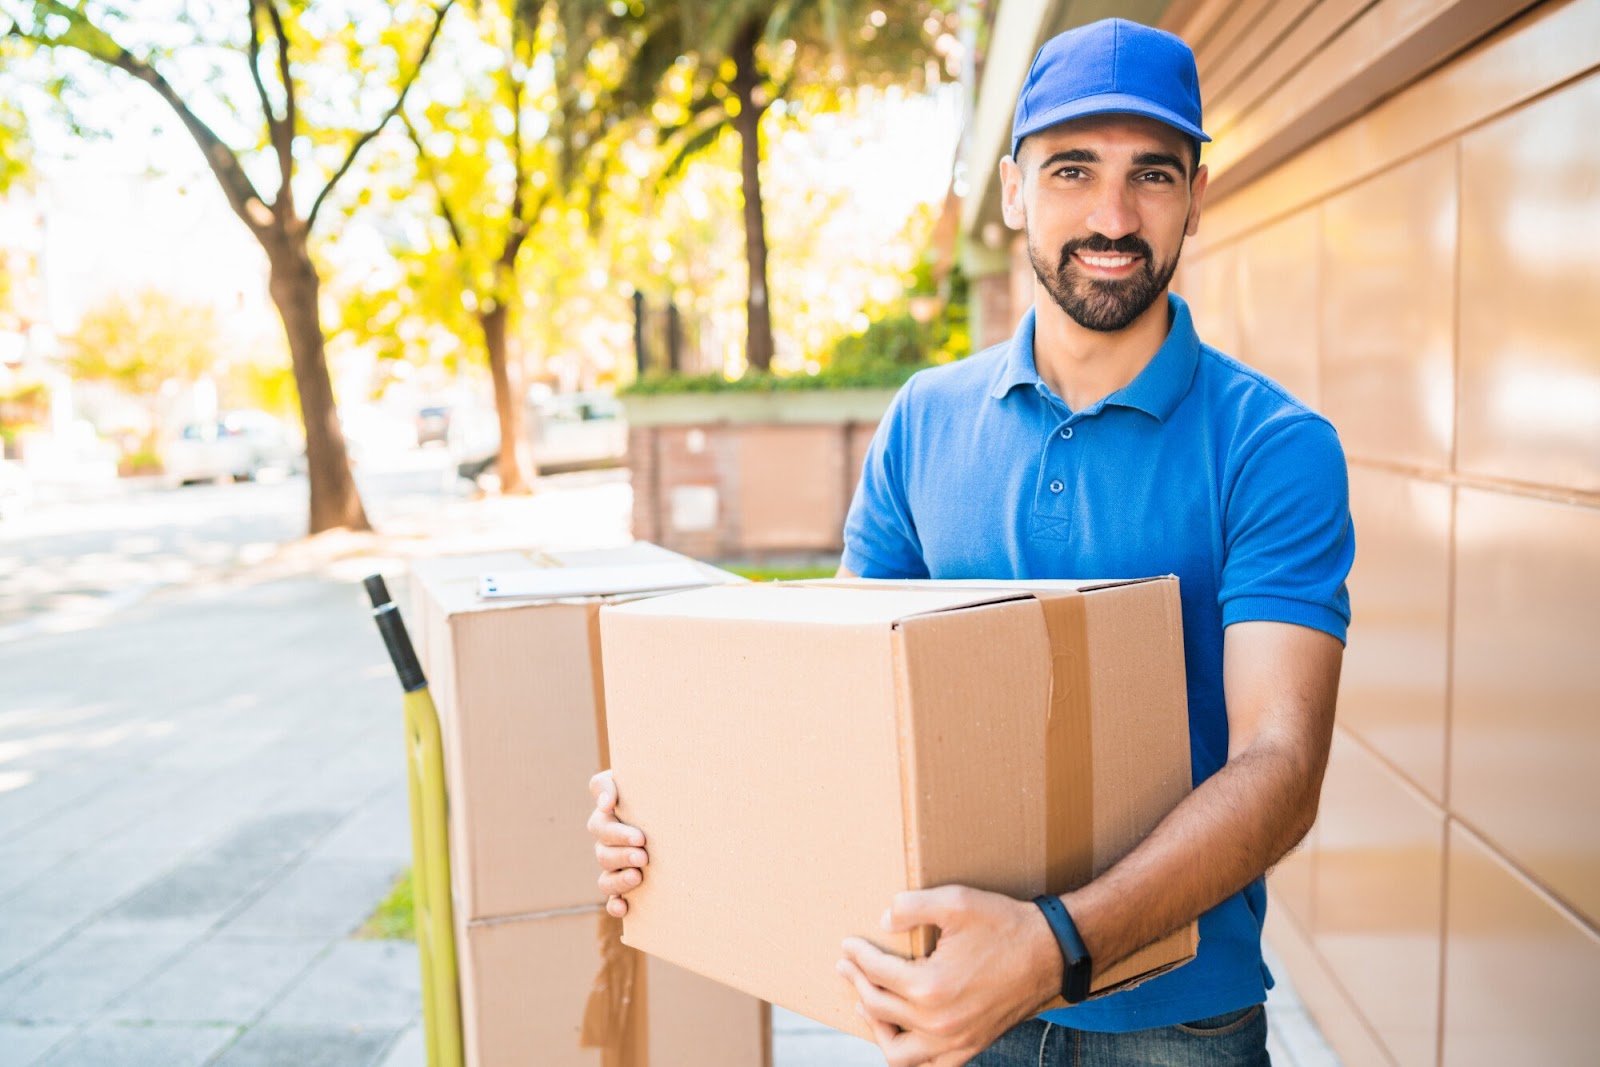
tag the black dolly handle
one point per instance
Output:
(386, 613)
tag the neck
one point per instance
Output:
(1083, 366)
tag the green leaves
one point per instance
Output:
(138, 342)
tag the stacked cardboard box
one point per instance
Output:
(544, 977)
(799, 753)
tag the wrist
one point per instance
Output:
(1076, 964)
(1045, 964)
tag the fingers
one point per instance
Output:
(878, 1005)
(880, 968)
(603, 787)
(620, 859)
(616, 883)
(609, 830)
(924, 907)
(618, 847)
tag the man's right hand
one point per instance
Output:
(618, 846)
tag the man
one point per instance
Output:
(1105, 440)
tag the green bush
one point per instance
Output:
(891, 349)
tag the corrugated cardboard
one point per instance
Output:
(797, 754)
(527, 990)
(517, 686)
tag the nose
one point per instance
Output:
(1114, 214)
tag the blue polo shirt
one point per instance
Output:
(1199, 467)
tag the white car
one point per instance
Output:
(241, 446)
(16, 489)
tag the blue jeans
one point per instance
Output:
(1237, 1039)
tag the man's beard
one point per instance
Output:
(1103, 304)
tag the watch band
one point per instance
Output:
(1076, 966)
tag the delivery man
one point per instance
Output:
(1104, 439)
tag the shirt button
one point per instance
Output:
(1066, 433)
(1056, 486)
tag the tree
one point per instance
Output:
(722, 66)
(139, 343)
(522, 135)
(279, 41)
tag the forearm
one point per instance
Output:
(1224, 835)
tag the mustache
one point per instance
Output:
(1127, 245)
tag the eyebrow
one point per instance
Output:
(1143, 159)
(1070, 155)
(1160, 159)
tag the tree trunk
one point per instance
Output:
(516, 460)
(758, 316)
(293, 283)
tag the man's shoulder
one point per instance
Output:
(960, 383)
(1251, 399)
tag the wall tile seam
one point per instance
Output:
(1333, 978)
(1242, 75)
(1212, 37)
(1220, 96)
(1542, 890)
(1405, 780)
(1342, 186)
(1486, 483)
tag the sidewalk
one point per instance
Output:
(202, 796)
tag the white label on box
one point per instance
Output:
(694, 507)
(550, 583)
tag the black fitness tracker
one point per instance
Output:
(1076, 965)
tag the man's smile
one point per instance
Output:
(1113, 264)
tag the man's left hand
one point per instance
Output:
(995, 964)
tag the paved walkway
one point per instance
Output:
(201, 798)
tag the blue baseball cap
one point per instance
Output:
(1110, 67)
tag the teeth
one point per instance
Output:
(1107, 261)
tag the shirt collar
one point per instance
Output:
(1156, 390)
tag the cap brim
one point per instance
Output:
(1105, 104)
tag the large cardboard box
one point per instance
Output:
(797, 754)
(517, 685)
(561, 991)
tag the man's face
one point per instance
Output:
(1106, 202)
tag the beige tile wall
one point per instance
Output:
(1429, 277)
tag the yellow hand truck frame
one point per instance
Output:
(430, 852)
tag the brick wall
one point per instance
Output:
(721, 490)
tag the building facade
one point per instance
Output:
(1403, 228)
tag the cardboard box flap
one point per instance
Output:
(1014, 586)
(839, 603)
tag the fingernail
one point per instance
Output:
(860, 1010)
(631, 876)
(840, 967)
(637, 858)
(886, 920)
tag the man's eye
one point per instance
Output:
(1155, 176)
(1069, 172)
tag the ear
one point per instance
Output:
(1197, 194)
(1011, 208)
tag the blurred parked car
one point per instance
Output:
(242, 446)
(567, 431)
(16, 489)
(433, 425)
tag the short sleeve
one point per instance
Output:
(880, 536)
(1288, 538)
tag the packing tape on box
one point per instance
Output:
(614, 1018)
(1069, 751)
